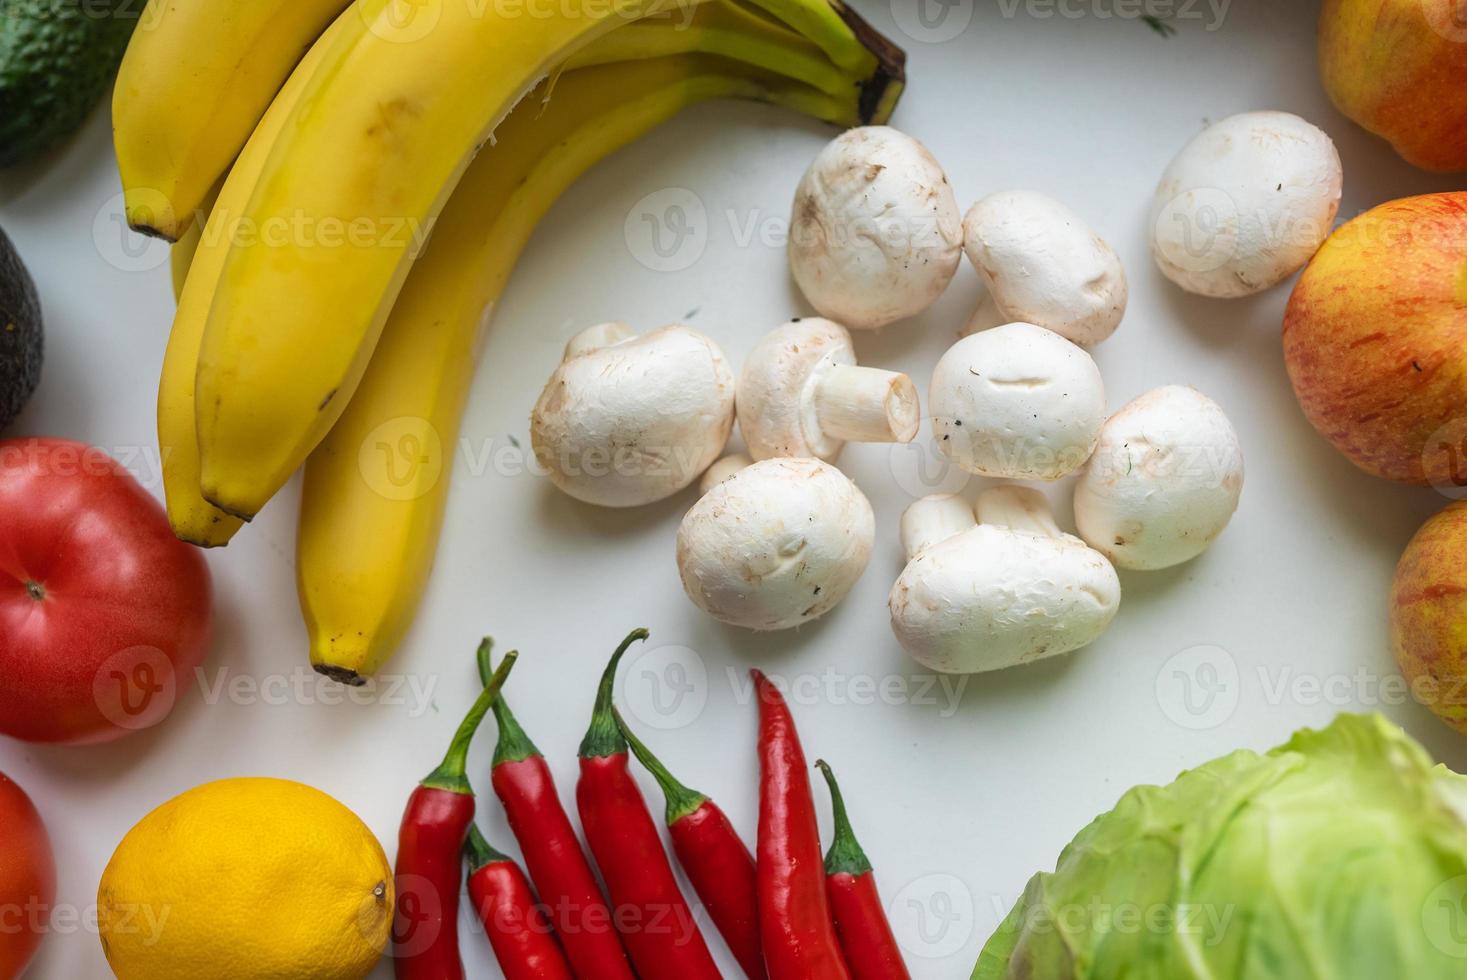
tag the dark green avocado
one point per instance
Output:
(20, 334)
(57, 57)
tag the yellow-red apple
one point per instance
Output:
(1375, 340)
(1429, 615)
(1399, 68)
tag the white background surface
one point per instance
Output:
(957, 805)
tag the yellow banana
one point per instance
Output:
(197, 77)
(379, 138)
(181, 255)
(715, 27)
(375, 489)
(387, 123)
(194, 519)
(724, 28)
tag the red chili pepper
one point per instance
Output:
(517, 927)
(429, 844)
(860, 919)
(552, 852)
(660, 931)
(716, 860)
(794, 911)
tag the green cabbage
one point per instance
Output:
(1339, 856)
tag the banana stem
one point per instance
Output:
(845, 36)
(854, 45)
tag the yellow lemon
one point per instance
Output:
(249, 879)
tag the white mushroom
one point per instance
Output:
(1017, 401)
(776, 544)
(628, 420)
(876, 234)
(1043, 265)
(801, 394)
(1245, 204)
(722, 470)
(1009, 590)
(1163, 482)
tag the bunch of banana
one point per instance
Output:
(355, 358)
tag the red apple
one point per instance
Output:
(1375, 340)
(27, 880)
(1428, 613)
(1399, 68)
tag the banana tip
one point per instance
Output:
(342, 675)
(198, 541)
(146, 225)
(238, 513)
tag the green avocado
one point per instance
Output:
(57, 57)
(20, 334)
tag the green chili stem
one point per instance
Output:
(480, 852)
(681, 801)
(603, 739)
(513, 744)
(452, 774)
(845, 855)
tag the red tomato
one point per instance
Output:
(104, 614)
(27, 879)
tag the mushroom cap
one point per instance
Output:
(776, 545)
(1163, 482)
(635, 422)
(1245, 204)
(991, 597)
(1017, 401)
(875, 235)
(776, 403)
(1043, 265)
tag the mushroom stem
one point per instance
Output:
(986, 316)
(597, 337)
(864, 404)
(1019, 509)
(933, 520)
(722, 470)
